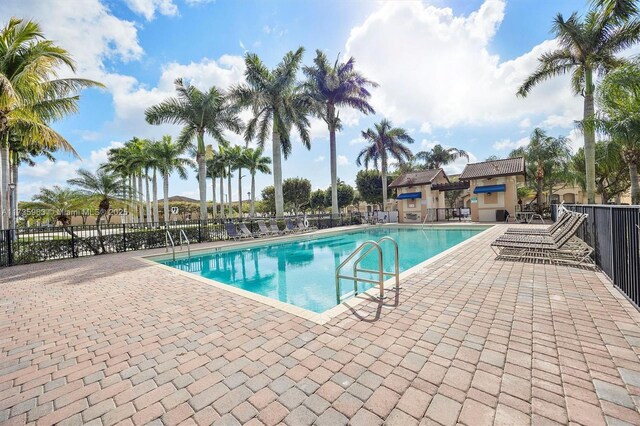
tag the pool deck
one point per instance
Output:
(470, 340)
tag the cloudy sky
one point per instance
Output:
(448, 70)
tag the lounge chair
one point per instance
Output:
(562, 247)
(247, 233)
(273, 225)
(264, 229)
(567, 221)
(304, 228)
(561, 220)
(291, 227)
(232, 232)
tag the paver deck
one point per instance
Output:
(111, 339)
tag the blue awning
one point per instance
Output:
(489, 188)
(409, 195)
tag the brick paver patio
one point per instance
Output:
(111, 339)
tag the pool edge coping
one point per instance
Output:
(326, 316)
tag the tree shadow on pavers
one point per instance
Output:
(71, 271)
(380, 304)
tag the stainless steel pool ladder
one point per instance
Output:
(183, 238)
(371, 245)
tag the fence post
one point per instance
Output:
(73, 244)
(199, 231)
(7, 237)
(124, 237)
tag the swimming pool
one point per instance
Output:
(301, 271)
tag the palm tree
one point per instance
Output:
(216, 168)
(438, 156)
(255, 163)
(332, 87)
(547, 159)
(23, 154)
(120, 161)
(586, 47)
(384, 141)
(168, 160)
(32, 95)
(278, 105)
(232, 157)
(619, 101)
(199, 113)
(103, 185)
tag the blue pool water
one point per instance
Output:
(302, 272)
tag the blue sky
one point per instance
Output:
(447, 70)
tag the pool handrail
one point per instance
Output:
(379, 281)
(167, 238)
(182, 234)
(396, 273)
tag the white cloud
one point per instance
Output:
(425, 128)
(48, 173)
(454, 80)
(148, 8)
(342, 160)
(509, 144)
(319, 159)
(458, 166)
(576, 140)
(562, 120)
(357, 141)
(525, 123)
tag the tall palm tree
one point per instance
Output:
(255, 163)
(438, 156)
(120, 161)
(332, 87)
(31, 94)
(199, 113)
(384, 141)
(588, 46)
(278, 104)
(104, 186)
(232, 157)
(216, 169)
(619, 101)
(169, 160)
(547, 159)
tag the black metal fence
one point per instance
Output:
(614, 234)
(31, 245)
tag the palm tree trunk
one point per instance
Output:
(589, 138)
(14, 198)
(202, 176)
(214, 209)
(384, 183)
(635, 187)
(334, 164)
(277, 173)
(252, 211)
(132, 197)
(148, 198)
(239, 191)
(4, 184)
(154, 186)
(221, 197)
(539, 195)
(165, 193)
(229, 192)
(140, 202)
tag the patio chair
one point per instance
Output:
(564, 227)
(291, 227)
(232, 232)
(562, 219)
(264, 229)
(564, 247)
(247, 233)
(273, 225)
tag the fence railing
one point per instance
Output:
(32, 245)
(448, 214)
(614, 234)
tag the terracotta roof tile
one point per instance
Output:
(505, 167)
(416, 178)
